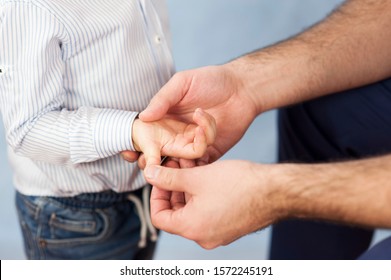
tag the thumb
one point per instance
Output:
(170, 179)
(166, 98)
(156, 110)
(152, 154)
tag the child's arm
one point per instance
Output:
(168, 137)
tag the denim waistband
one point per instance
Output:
(96, 200)
(140, 199)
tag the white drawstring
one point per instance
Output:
(147, 212)
(145, 216)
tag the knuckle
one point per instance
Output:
(169, 178)
(207, 245)
(200, 151)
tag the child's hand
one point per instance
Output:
(168, 137)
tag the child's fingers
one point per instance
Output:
(130, 156)
(152, 154)
(141, 161)
(190, 147)
(187, 163)
(208, 124)
(172, 163)
(200, 142)
(204, 160)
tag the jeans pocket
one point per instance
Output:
(58, 229)
(58, 224)
(27, 213)
(73, 226)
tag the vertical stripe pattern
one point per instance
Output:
(74, 75)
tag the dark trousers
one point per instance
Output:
(349, 125)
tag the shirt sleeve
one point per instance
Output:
(32, 96)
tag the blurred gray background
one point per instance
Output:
(206, 32)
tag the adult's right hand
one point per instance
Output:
(215, 89)
(214, 204)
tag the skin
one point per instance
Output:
(351, 48)
(170, 137)
(356, 193)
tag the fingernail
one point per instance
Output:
(151, 172)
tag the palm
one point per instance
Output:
(214, 90)
(172, 137)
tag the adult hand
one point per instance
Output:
(215, 89)
(213, 204)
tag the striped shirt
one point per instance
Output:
(74, 75)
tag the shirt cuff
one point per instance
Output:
(113, 132)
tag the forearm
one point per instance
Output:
(70, 137)
(348, 49)
(42, 118)
(355, 192)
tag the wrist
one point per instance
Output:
(241, 72)
(135, 129)
(271, 192)
(292, 190)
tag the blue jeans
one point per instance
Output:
(88, 226)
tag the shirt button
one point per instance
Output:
(158, 39)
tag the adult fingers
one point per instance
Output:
(169, 179)
(195, 146)
(164, 216)
(167, 97)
